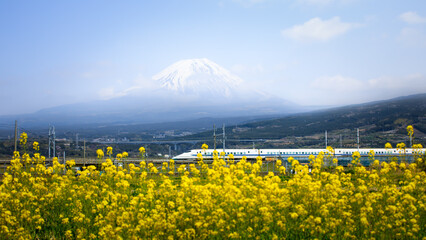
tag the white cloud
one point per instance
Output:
(316, 2)
(110, 92)
(337, 83)
(248, 3)
(306, 2)
(241, 68)
(318, 29)
(412, 18)
(412, 37)
(323, 2)
(409, 83)
(340, 90)
(106, 93)
(341, 83)
(139, 85)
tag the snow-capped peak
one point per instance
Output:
(197, 75)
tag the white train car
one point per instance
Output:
(284, 153)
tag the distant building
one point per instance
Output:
(159, 136)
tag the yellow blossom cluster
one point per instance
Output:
(36, 146)
(227, 199)
(109, 151)
(23, 138)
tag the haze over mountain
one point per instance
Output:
(187, 89)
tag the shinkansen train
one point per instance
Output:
(284, 153)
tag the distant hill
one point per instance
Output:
(387, 117)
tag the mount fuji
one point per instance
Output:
(186, 90)
(200, 77)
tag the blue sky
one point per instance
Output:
(312, 52)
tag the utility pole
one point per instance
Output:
(52, 140)
(326, 139)
(84, 152)
(16, 134)
(50, 135)
(214, 135)
(76, 140)
(341, 141)
(357, 137)
(224, 137)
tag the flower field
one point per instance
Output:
(223, 200)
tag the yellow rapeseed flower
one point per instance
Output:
(410, 130)
(212, 201)
(23, 138)
(388, 146)
(100, 153)
(36, 146)
(109, 150)
(204, 147)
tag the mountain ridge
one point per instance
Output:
(376, 120)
